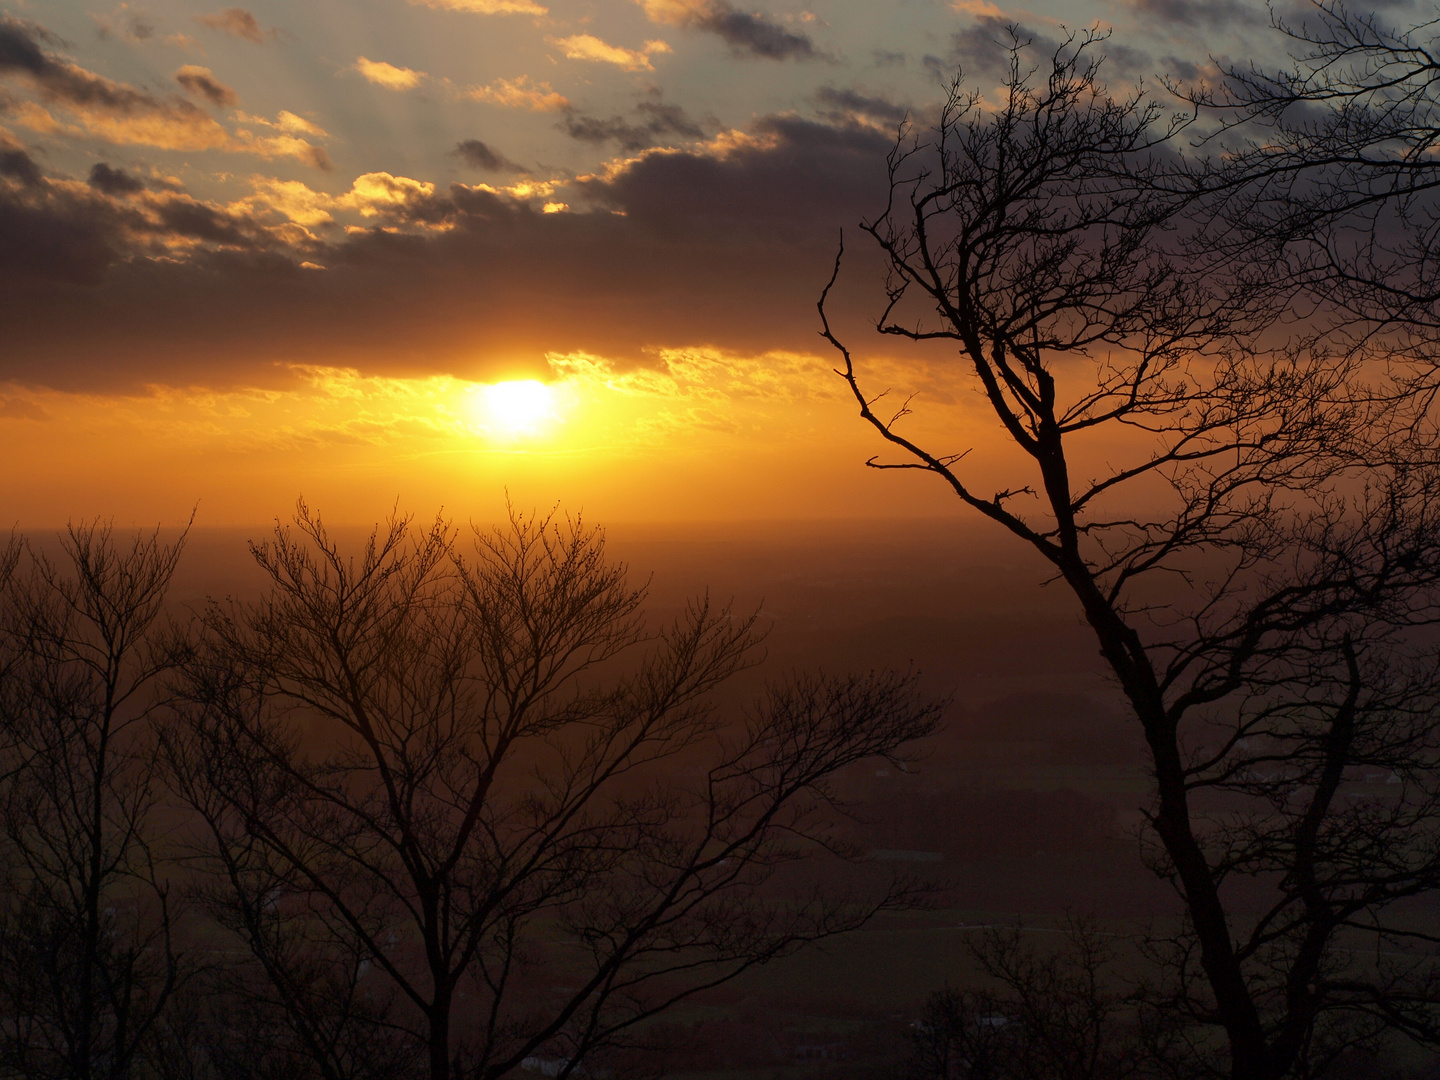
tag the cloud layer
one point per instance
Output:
(110, 281)
(746, 33)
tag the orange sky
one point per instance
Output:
(704, 435)
(247, 253)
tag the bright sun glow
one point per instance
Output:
(514, 408)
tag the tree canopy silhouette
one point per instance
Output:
(469, 805)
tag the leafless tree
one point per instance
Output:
(1250, 530)
(1330, 176)
(1061, 1013)
(471, 803)
(87, 962)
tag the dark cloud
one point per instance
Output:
(1125, 61)
(1214, 14)
(887, 58)
(237, 22)
(201, 82)
(482, 156)
(60, 80)
(18, 165)
(746, 33)
(983, 48)
(706, 246)
(57, 236)
(20, 48)
(757, 35)
(317, 157)
(73, 236)
(1187, 71)
(842, 104)
(195, 221)
(656, 122)
(114, 181)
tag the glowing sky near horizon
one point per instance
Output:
(247, 251)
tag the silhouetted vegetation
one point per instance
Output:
(1247, 518)
(88, 959)
(1059, 1012)
(438, 813)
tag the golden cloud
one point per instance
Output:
(519, 93)
(487, 7)
(589, 47)
(370, 196)
(378, 191)
(675, 12)
(388, 75)
(285, 121)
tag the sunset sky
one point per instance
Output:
(251, 252)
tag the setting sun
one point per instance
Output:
(518, 407)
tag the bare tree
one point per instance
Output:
(1044, 1014)
(1249, 531)
(472, 803)
(1330, 176)
(87, 962)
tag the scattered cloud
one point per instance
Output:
(237, 22)
(654, 123)
(519, 93)
(287, 122)
(201, 82)
(114, 181)
(116, 112)
(124, 23)
(589, 47)
(482, 156)
(983, 48)
(388, 75)
(1188, 71)
(1216, 14)
(72, 232)
(380, 193)
(18, 165)
(982, 8)
(745, 33)
(487, 7)
(371, 196)
(840, 105)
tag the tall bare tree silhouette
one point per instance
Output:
(1250, 530)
